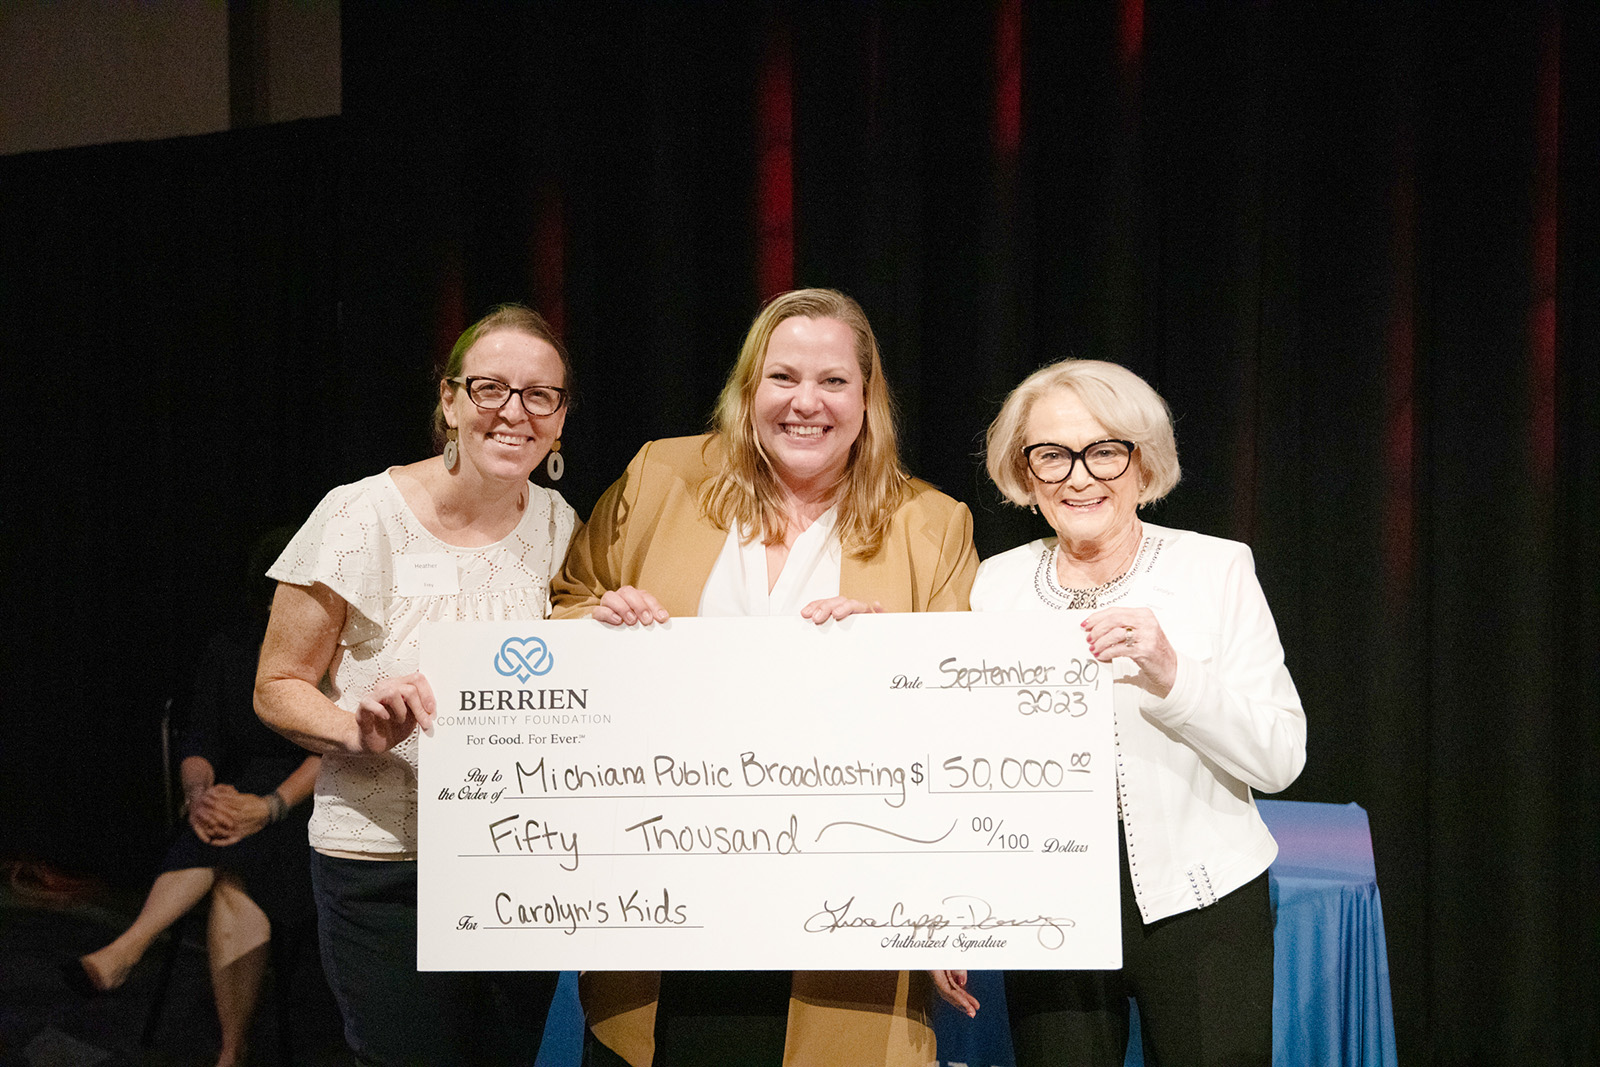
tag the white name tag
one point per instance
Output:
(427, 574)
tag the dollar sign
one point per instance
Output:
(916, 774)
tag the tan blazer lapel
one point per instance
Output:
(681, 578)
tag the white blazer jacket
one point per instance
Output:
(1186, 763)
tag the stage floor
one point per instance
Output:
(42, 1022)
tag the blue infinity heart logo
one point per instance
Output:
(523, 657)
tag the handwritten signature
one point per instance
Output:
(965, 913)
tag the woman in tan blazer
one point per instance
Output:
(797, 502)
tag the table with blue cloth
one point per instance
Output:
(1330, 1004)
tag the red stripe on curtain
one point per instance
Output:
(775, 169)
(1542, 303)
(1130, 32)
(1008, 80)
(549, 255)
(1399, 399)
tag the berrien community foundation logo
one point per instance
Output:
(523, 657)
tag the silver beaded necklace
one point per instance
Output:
(1058, 596)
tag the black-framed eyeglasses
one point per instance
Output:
(1105, 461)
(491, 394)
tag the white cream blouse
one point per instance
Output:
(737, 584)
(364, 543)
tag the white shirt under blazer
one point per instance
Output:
(1186, 763)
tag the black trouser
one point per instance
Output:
(397, 1016)
(714, 1019)
(1202, 979)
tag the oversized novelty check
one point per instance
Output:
(886, 792)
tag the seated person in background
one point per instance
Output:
(245, 843)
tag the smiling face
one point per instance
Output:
(810, 403)
(1084, 512)
(505, 445)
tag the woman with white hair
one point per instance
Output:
(1205, 712)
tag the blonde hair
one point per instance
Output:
(746, 490)
(1119, 400)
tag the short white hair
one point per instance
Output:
(1119, 399)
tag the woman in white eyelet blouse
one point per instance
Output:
(461, 536)
(1205, 712)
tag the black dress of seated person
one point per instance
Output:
(223, 728)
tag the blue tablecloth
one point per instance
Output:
(1330, 1005)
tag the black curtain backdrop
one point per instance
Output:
(168, 315)
(1353, 245)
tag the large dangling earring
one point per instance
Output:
(554, 465)
(452, 451)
